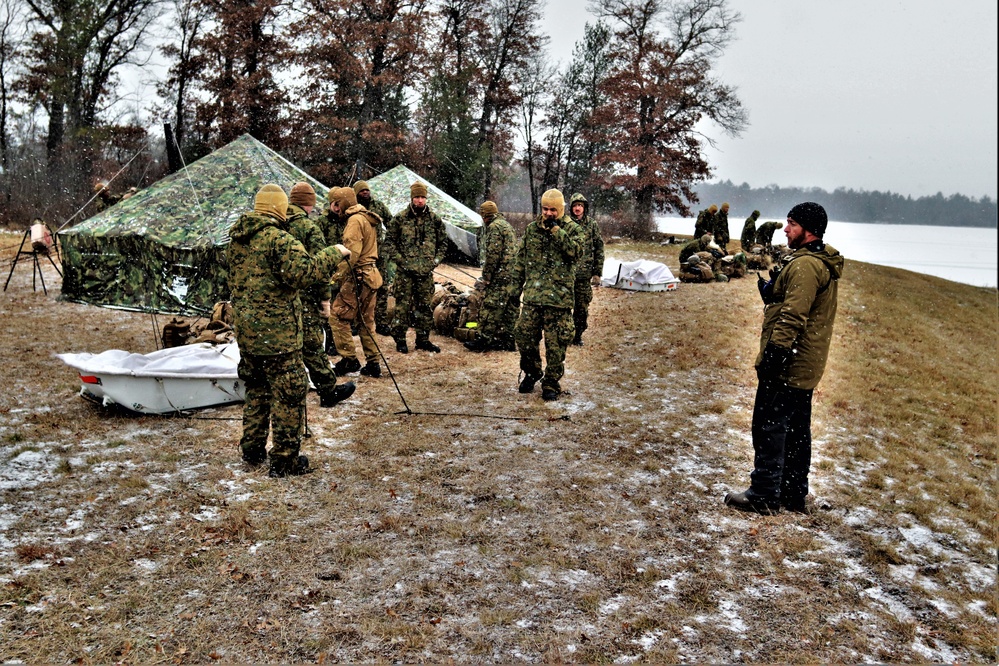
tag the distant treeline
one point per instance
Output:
(846, 205)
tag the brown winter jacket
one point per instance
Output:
(801, 316)
(360, 236)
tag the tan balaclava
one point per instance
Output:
(488, 210)
(302, 195)
(712, 208)
(554, 199)
(725, 207)
(271, 200)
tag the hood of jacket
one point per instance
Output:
(249, 224)
(829, 255)
(578, 198)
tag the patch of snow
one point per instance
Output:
(576, 577)
(27, 470)
(146, 564)
(727, 608)
(896, 608)
(612, 605)
(921, 537)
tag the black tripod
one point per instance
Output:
(35, 249)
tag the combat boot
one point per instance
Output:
(477, 345)
(337, 394)
(255, 457)
(424, 344)
(383, 329)
(578, 340)
(371, 369)
(345, 366)
(527, 385)
(744, 501)
(401, 346)
(548, 393)
(282, 467)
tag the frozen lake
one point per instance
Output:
(961, 254)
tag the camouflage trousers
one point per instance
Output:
(276, 387)
(497, 314)
(381, 300)
(346, 309)
(581, 309)
(314, 350)
(413, 293)
(556, 326)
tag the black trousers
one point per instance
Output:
(782, 440)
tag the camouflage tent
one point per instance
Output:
(461, 222)
(162, 250)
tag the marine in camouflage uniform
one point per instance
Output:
(104, 197)
(705, 223)
(720, 230)
(267, 268)
(417, 242)
(331, 226)
(315, 298)
(748, 237)
(702, 244)
(372, 205)
(589, 264)
(355, 303)
(498, 313)
(765, 234)
(544, 271)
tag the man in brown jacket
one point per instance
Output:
(356, 299)
(800, 307)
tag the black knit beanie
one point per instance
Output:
(810, 216)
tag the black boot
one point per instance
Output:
(346, 366)
(527, 385)
(424, 344)
(548, 393)
(337, 394)
(281, 467)
(477, 345)
(750, 503)
(401, 346)
(578, 340)
(371, 369)
(255, 457)
(383, 329)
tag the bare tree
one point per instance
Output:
(536, 96)
(10, 41)
(658, 91)
(76, 49)
(190, 18)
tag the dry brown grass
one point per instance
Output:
(593, 539)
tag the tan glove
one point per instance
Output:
(595, 281)
(324, 307)
(342, 249)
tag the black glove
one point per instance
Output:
(775, 362)
(546, 224)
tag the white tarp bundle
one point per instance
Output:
(641, 275)
(161, 382)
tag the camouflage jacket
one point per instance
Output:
(360, 235)
(307, 232)
(498, 245)
(544, 269)
(692, 247)
(267, 268)
(765, 234)
(591, 252)
(416, 242)
(705, 223)
(720, 230)
(801, 313)
(749, 232)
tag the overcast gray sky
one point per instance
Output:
(871, 94)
